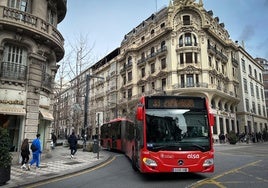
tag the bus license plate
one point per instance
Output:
(180, 170)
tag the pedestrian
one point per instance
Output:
(54, 140)
(36, 151)
(72, 140)
(25, 152)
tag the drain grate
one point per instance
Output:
(72, 163)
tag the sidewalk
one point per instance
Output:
(55, 164)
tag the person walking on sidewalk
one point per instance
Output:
(72, 140)
(25, 152)
(36, 151)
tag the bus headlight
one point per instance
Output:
(208, 162)
(149, 162)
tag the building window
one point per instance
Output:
(124, 80)
(250, 70)
(129, 75)
(253, 107)
(163, 63)
(257, 92)
(22, 5)
(190, 80)
(152, 68)
(129, 61)
(142, 72)
(142, 89)
(14, 62)
(162, 25)
(129, 93)
(181, 58)
(196, 58)
(188, 39)
(143, 56)
(152, 31)
(260, 76)
(152, 85)
(245, 85)
(182, 81)
(259, 109)
(186, 20)
(209, 61)
(164, 84)
(189, 58)
(247, 105)
(180, 41)
(152, 51)
(243, 65)
(52, 18)
(252, 89)
(163, 44)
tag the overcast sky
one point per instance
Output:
(105, 22)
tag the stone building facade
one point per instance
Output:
(30, 47)
(182, 49)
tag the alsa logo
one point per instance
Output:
(193, 156)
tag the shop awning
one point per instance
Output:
(19, 111)
(46, 114)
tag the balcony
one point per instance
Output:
(37, 28)
(13, 71)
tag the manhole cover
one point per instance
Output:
(73, 163)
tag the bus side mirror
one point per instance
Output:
(140, 112)
(211, 120)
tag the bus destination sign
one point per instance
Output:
(174, 103)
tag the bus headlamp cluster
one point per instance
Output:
(149, 162)
(208, 162)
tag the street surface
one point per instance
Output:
(240, 166)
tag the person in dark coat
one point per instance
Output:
(25, 152)
(54, 140)
(72, 140)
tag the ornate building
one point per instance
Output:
(180, 50)
(30, 47)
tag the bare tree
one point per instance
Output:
(78, 57)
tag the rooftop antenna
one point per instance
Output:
(155, 5)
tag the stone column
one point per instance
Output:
(33, 95)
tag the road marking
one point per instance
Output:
(214, 179)
(70, 175)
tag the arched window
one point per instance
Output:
(188, 39)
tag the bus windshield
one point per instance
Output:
(177, 129)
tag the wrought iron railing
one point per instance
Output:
(13, 71)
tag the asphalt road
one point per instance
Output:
(238, 166)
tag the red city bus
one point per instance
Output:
(170, 134)
(175, 135)
(118, 134)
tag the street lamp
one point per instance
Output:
(88, 76)
(254, 128)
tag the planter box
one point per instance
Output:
(4, 175)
